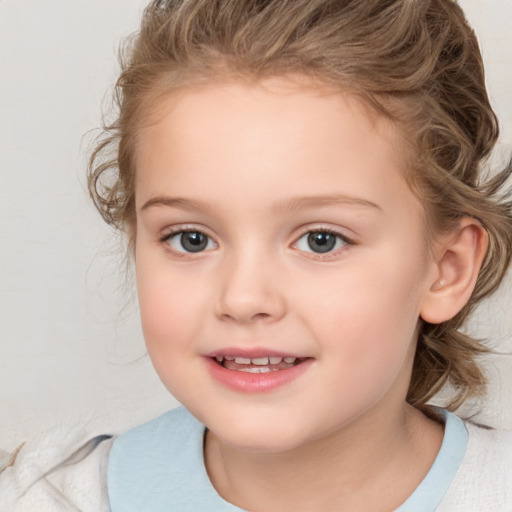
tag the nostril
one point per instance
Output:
(260, 316)
(241, 318)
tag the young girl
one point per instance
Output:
(300, 183)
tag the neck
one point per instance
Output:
(373, 464)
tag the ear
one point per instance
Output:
(457, 263)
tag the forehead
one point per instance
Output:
(274, 138)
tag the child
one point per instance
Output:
(300, 185)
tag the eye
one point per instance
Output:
(189, 241)
(321, 241)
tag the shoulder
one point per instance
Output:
(159, 466)
(59, 471)
(156, 460)
(159, 438)
(490, 449)
(177, 420)
(484, 479)
(481, 436)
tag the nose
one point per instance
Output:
(250, 291)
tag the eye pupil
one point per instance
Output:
(194, 241)
(321, 241)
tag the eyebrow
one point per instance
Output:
(288, 205)
(308, 202)
(175, 202)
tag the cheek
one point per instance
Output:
(168, 327)
(168, 306)
(368, 316)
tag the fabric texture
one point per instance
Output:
(63, 470)
(484, 479)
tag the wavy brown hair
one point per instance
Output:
(416, 62)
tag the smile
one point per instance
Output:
(256, 374)
(263, 364)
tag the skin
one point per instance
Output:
(255, 168)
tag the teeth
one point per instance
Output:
(257, 361)
(255, 369)
(261, 361)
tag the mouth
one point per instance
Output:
(251, 371)
(255, 370)
(260, 364)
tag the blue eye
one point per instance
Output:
(320, 242)
(190, 241)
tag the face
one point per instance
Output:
(280, 261)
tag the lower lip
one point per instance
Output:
(255, 382)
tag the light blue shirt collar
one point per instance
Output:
(431, 491)
(159, 467)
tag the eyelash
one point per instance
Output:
(165, 239)
(331, 253)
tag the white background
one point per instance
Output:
(71, 351)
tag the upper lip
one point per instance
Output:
(251, 353)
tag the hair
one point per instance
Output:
(416, 62)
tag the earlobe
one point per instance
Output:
(457, 265)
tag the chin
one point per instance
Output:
(262, 436)
(256, 443)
